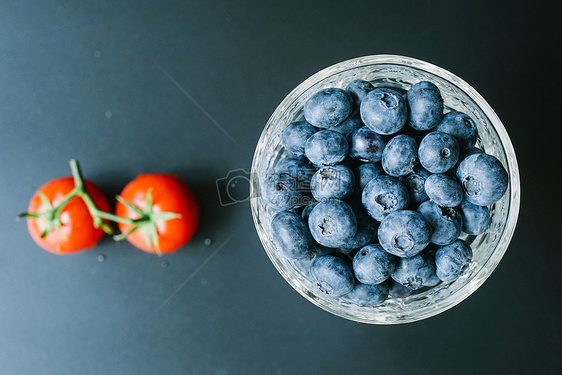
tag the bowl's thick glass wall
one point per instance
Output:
(400, 73)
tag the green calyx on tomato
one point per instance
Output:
(146, 221)
(163, 206)
(51, 216)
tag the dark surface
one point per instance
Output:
(155, 86)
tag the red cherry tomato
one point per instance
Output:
(165, 211)
(75, 230)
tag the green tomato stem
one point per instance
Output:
(81, 191)
(147, 218)
(51, 216)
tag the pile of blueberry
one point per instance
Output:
(378, 187)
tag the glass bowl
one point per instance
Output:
(397, 72)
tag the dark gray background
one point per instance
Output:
(145, 86)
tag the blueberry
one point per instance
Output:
(358, 89)
(432, 281)
(475, 219)
(415, 183)
(425, 106)
(305, 264)
(280, 191)
(398, 290)
(299, 169)
(366, 145)
(347, 126)
(294, 136)
(366, 231)
(306, 211)
(332, 223)
(463, 155)
(328, 107)
(383, 195)
(384, 111)
(332, 181)
(438, 152)
(368, 295)
(326, 147)
(332, 275)
(295, 166)
(364, 173)
(415, 271)
(291, 235)
(373, 264)
(400, 155)
(446, 222)
(452, 260)
(443, 190)
(460, 126)
(404, 233)
(469, 151)
(483, 179)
